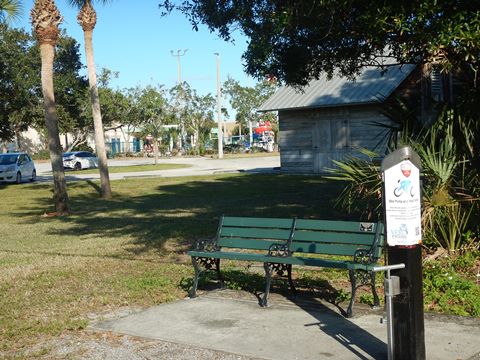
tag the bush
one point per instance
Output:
(83, 147)
(41, 155)
(449, 285)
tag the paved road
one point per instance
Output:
(199, 166)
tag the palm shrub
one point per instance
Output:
(363, 191)
(449, 182)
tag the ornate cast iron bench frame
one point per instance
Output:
(282, 243)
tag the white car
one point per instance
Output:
(16, 166)
(78, 160)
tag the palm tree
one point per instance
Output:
(45, 20)
(10, 9)
(87, 18)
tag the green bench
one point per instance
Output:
(281, 243)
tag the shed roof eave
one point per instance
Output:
(322, 106)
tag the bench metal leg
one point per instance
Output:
(353, 281)
(376, 300)
(196, 267)
(219, 273)
(207, 263)
(290, 281)
(268, 282)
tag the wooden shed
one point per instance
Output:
(330, 119)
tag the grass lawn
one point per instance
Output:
(137, 168)
(126, 252)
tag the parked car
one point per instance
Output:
(78, 160)
(17, 166)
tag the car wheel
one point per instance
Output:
(77, 166)
(34, 176)
(18, 179)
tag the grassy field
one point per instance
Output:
(129, 251)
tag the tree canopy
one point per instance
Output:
(20, 90)
(296, 41)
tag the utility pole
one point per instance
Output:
(178, 55)
(219, 110)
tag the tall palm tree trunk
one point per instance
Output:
(45, 20)
(47, 53)
(97, 118)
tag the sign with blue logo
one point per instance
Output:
(403, 204)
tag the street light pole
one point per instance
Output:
(219, 110)
(178, 55)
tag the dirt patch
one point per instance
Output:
(108, 346)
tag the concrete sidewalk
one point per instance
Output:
(288, 330)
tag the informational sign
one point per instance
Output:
(403, 204)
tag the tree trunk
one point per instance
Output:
(47, 53)
(197, 141)
(97, 118)
(126, 139)
(155, 150)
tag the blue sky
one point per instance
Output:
(132, 38)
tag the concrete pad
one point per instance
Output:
(287, 331)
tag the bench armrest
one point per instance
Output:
(279, 250)
(208, 245)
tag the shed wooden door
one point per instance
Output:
(330, 141)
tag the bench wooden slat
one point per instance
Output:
(334, 225)
(255, 233)
(257, 222)
(331, 237)
(327, 249)
(244, 243)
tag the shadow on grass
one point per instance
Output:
(156, 211)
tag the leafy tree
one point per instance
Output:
(153, 112)
(196, 112)
(246, 100)
(19, 83)
(298, 40)
(71, 91)
(87, 18)
(45, 20)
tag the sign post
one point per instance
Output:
(402, 213)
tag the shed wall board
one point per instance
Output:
(311, 139)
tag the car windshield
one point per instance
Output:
(67, 154)
(8, 159)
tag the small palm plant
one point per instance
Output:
(10, 9)
(363, 192)
(447, 204)
(447, 184)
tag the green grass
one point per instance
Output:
(130, 251)
(137, 168)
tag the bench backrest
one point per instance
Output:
(336, 237)
(253, 233)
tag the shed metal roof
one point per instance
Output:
(371, 86)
